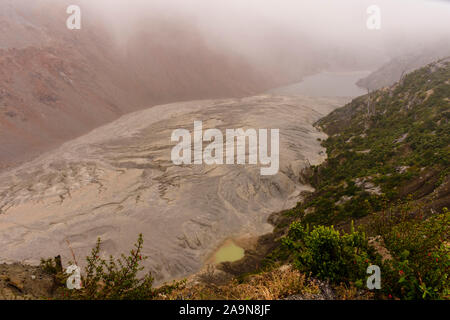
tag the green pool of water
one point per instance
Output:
(229, 252)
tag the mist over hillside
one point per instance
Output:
(56, 84)
(398, 67)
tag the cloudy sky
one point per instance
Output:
(251, 26)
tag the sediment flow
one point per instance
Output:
(119, 181)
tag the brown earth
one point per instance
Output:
(23, 282)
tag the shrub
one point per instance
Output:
(115, 279)
(421, 261)
(51, 266)
(328, 254)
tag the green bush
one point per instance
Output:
(114, 279)
(421, 252)
(51, 266)
(328, 254)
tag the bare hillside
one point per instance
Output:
(56, 84)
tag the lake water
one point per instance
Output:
(327, 84)
(229, 252)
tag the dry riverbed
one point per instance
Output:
(119, 181)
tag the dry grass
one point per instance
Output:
(272, 285)
(350, 292)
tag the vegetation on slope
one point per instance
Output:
(388, 170)
(120, 279)
(380, 145)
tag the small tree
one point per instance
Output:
(114, 279)
(327, 253)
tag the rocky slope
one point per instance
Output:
(387, 175)
(394, 70)
(384, 150)
(390, 145)
(22, 282)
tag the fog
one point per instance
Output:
(265, 30)
(277, 34)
